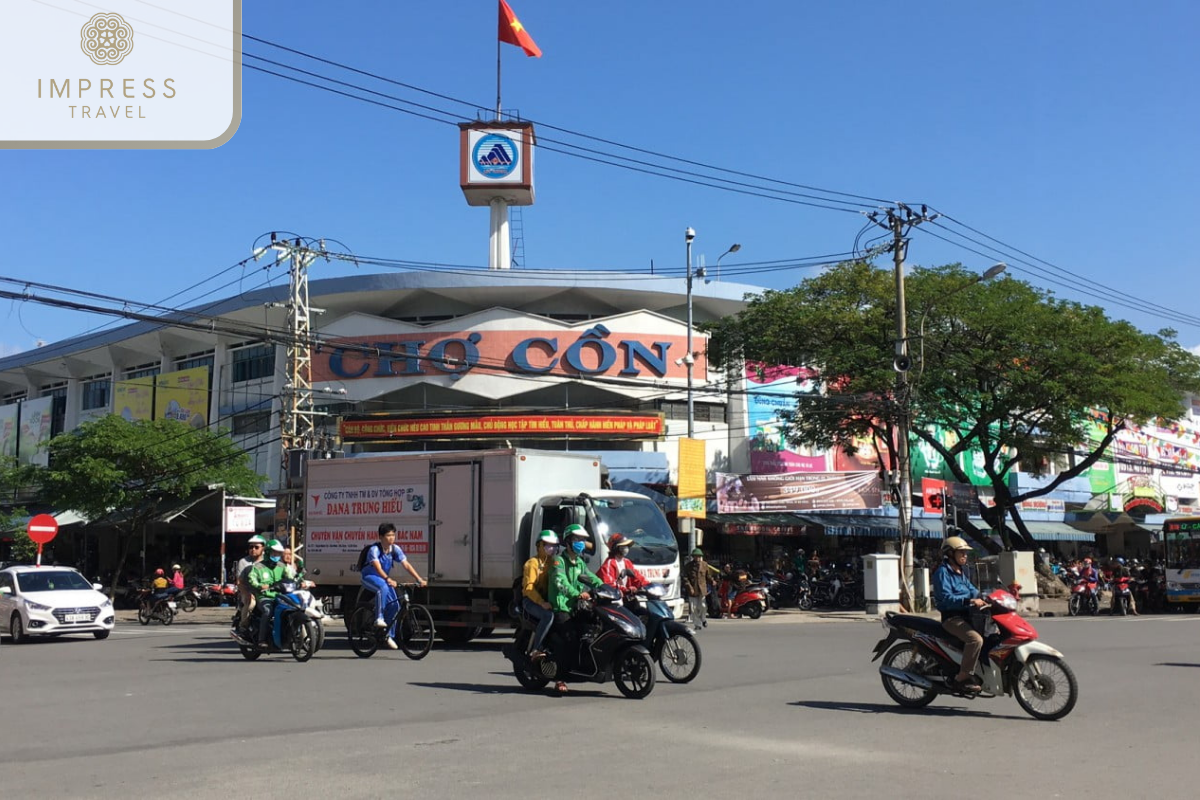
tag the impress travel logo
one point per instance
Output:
(107, 39)
(75, 79)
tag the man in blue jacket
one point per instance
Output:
(955, 596)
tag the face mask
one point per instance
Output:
(578, 547)
(274, 558)
(621, 552)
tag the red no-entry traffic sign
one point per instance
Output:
(43, 528)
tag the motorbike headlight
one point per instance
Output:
(1005, 601)
(630, 629)
(32, 606)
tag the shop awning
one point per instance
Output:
(1057, 532)
(875, 526)
(758, 519)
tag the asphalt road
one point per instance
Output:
(778, 706)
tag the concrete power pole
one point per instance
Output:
(899, 221)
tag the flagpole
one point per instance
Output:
(497, 79)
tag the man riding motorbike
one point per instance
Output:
(241, 576)
(263, 576)
(620, 573)
(568, 580)
(955, 596)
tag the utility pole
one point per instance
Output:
(297, 424)
(899, 221)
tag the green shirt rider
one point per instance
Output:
(569, 574)
(263, 576)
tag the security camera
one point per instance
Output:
(689, 234)
(902, 364)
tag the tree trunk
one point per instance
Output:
(126, 540)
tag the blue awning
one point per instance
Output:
(1057, 532)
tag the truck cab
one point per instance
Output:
(605, 512)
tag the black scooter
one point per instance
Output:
(608, 643)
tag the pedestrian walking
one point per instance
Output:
(695, 588)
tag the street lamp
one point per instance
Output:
(733, 248)
(688, 358)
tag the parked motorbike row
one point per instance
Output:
(1139, 589)
(830, 589)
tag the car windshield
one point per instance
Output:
(51, 581)
(640, 520)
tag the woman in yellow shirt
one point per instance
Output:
(533, 590)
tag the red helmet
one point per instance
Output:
(1087, 561)
(158, 572)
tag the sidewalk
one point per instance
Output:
(204, 615)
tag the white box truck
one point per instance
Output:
(468, 520)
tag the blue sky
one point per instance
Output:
(1065, 128)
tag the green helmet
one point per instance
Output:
(547, 537)
(575, 530)
(275, 545)
(698, 552)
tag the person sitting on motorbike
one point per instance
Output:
(241, 576)
(294, 564)
(1088, 572)
(262, 577)
(534, 590)
(569, 579)
(620, 573)
(955, 596)
(380, 558)
(159, 585)
(176, 578)
(1121, 570)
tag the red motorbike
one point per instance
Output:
(927, 657)
(1122, 595)
(1085, 597)
(750, 601)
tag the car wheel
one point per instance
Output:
(101, 634)
(16, 629)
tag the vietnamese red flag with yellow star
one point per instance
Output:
(513, 32)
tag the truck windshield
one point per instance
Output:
(641, 521)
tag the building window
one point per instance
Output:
(253, 422)
(701, 412)
(96, 392)
(55, 389)
(194, 360)
(14, 397)
(143, 371)
(252, 363)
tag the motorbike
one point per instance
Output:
(921, 659)
(607, 643)
(750, 601)
(1122, 595)
(187, 599)
(296, 626)
(670, 642)
(792, 590)
(1085, 598)
(154, 606)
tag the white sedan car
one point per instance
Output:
(51, 601)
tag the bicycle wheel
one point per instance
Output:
(363, 640)
(415, 631)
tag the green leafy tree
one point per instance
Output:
(1010, 369)
(12, 478)
(125, 473)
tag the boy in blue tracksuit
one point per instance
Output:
(380, 558)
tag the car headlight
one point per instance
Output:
(106, 603)
(32, 606)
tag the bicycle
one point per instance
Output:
(414, 626)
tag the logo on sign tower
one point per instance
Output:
(495, 156)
